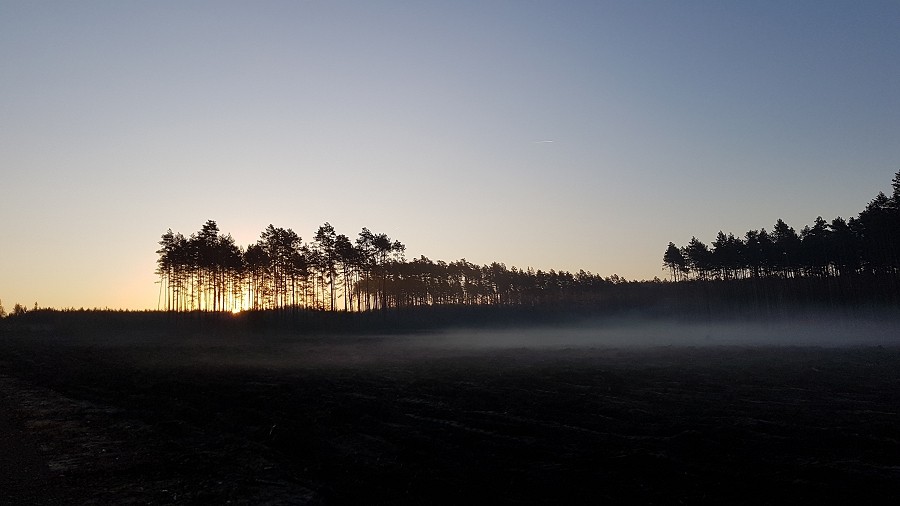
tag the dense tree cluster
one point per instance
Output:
(865, 245)
(207, 271)
(17, 310)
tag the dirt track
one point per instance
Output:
(369, 421)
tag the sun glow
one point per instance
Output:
(236, 311)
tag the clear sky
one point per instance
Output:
(565, 135)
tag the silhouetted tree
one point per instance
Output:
(843, 248)
(726, 256)
(787, 248)
(674, 261)
(326, 246)
(879, 226)
(386, 252)
(207, 242)
(757, 252)
(698, 258)
(814, 248)
(280, 246)
(349, 259)
(365, 249)
(866, 245)
(257, 264)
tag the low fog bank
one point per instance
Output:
(286, 352)
(808, 330)
(233, 346)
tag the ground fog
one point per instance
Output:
(287, 350)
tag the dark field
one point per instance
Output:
(434, 419)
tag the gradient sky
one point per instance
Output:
(432, 122)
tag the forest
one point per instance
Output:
(866, 245)
(207, 271)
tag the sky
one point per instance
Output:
(544, 134)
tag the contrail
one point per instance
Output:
(541, 142)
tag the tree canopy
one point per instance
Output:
(868, 244)
(207, 271)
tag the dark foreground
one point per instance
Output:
(382, 421)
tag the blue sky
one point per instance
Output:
(427, 121)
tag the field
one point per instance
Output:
(445, 419)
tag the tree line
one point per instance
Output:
(207, 271)
(17, 310)
(865, 245)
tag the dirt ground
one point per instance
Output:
(385, 420)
